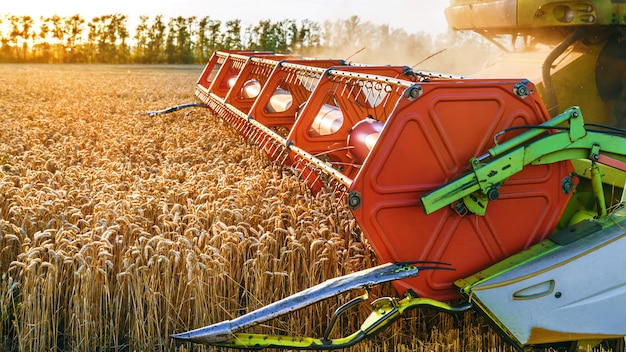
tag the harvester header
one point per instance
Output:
(469, 182)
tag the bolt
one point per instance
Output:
(567, 184)
(493, 194)
(521, 89)
(574, 114)
(460, 208)
(354, 200)
(414, 92)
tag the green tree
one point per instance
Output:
(170, 42)
(5, 50)
(232, 37)
(156, 41)
(14, 34)
(122, 51)
(268, 35)
(108, 35)
(42, 45)
(296, 36)
(98, 46)
(74, 28)
(184, 40)
(215, 36)
(257, 35)
(141, 40)
(179, 41)
(202, 40)
(58, 34)
(310, 37)
(26, 33)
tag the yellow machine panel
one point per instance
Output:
(575, 51)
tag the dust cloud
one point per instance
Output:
(460, 53)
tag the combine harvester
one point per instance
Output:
(467, 188)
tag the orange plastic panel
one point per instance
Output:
(427, 143)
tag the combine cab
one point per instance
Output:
(469, 189)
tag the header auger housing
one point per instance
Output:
(469, 182)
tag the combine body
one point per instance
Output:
(568, 288)
(441, 172)
(574, 50)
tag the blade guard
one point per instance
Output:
(223, 331)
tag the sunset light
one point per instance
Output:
(313, 175)
(189, 31)
(409, 15)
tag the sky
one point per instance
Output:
(411, 15)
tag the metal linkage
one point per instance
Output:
(385, 311)
(504, 160)
(301, 76)
(427, 75)
(262, 67)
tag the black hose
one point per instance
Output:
(546, 70)
(603, 129)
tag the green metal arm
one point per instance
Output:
(505, 160)
(385, 311)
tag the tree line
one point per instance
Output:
(187, 40)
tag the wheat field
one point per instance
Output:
(118, 228)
